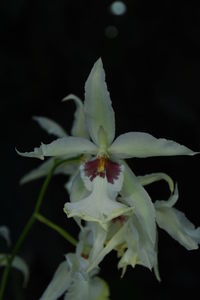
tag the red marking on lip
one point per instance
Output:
(121, 219)
(84, 255)
(111, 169)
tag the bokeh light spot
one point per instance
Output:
(111, 32)
(118, 8)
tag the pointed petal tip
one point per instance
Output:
(37, 153)
(99, 61)
(71, 97)
(98, 66)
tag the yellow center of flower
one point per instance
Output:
(101, 166)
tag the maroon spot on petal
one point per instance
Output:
(84, 255)
(91, 169)
(121, 219)
(112, 171)
(102, 167)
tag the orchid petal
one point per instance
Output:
(5, 233)
(17, 263)
(50, 126)
(97, 105)
(99, 237)
(140, 144)
(170, 202)
(67, 146)
(78, 190)
(135, 195)
(178, 226)
(79, 124)
(59, 283)
(115, 240)
(44, 169)
(150, 178)
(88, 289)
(100, 289)
(140, 249)
(155, 267)
(100, 206)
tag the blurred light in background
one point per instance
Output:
(111, 32)
(118, 8)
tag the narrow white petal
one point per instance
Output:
(44, 169)
(140, 144)
(38, 172)
(79, 125)
(140, 249)
(36, 153)
(117, 239)
(135, 195)
(5, 233)
(99, 237)
(168, 203)
(67, 146)
(155, 267)
(18, 263)
(150, 178)
(50, 126)
(100, 206)
(179, 227)
(59, 283)
(97, 105)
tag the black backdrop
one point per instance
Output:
(152, 69)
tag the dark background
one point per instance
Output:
(152, 70)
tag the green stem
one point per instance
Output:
(30, 222)
(57, 228)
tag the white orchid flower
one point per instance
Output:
(128, 237)
(72, 277)
(18, 263)
(104, 171)
(72, 280)
(134, 237)
(174, 222)
(53, 128)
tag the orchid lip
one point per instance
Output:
(102, 167)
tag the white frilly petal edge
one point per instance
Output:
(50, 126)
(176, 224)
(18, 263)
(67, 147)
(79, 125)
(140, 144)
(100, 206)
(153, 177)
(5, 233)
(59, 283)
(140, 249)
(97, 105)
